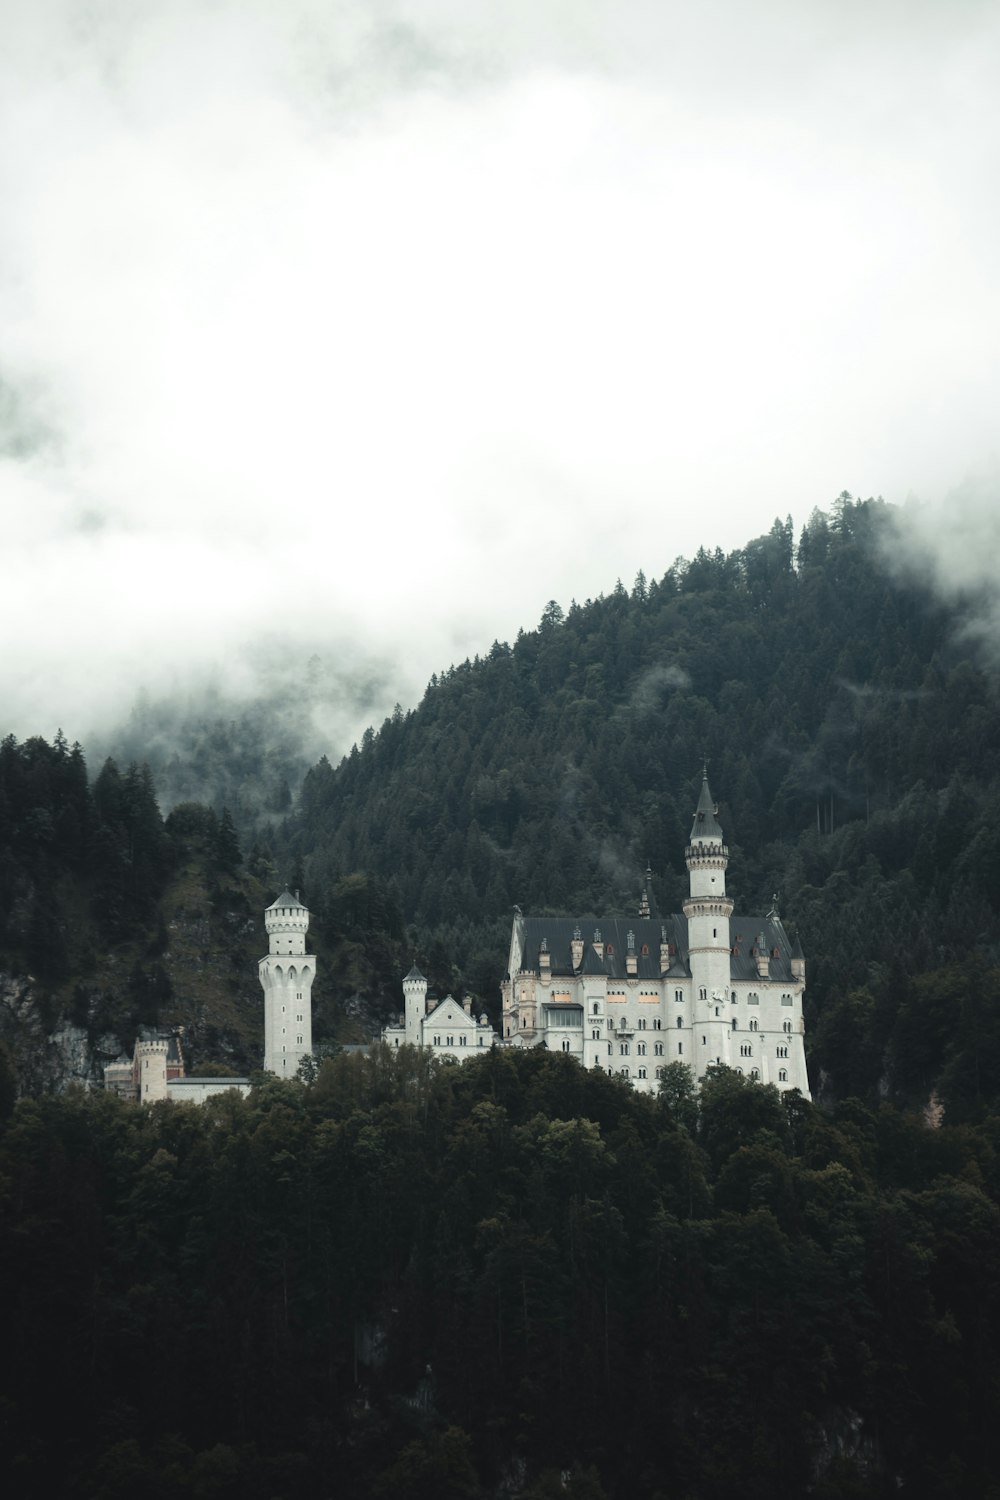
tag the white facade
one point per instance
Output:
(286, 975)
(156, 1072)
(447, 1027)
(703, 987)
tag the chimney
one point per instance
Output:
(631, 960)
(598, 943)
(763, 959)
(544, 959)
(664, 951)
(577, 949)
(467, 1005)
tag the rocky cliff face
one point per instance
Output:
(47, 1059)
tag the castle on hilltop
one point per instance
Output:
(703, 987)
(286, 972)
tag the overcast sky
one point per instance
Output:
(372, 326)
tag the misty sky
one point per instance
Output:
(371, 327)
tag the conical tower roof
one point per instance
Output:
(706, 823)
(287, 899)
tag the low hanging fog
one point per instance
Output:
(364, 330)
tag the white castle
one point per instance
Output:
(156, 1069)
(703, 987)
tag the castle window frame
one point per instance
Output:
(753, 998)
(680, 1049)
(657, 1049)
(786, 999)
(754, 1024)
(680, 1022)
(623, 1049)
(642, 1073)
(640, 1049)
(782, 1075)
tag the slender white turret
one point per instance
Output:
(286, 976)
(708, 910)
(415, 1000)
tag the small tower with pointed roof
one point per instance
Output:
(415, 1004)
(286, 976)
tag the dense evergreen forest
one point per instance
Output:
(513, 1278)
(852, 729)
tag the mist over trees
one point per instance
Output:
(852, 732)
(407, 1279)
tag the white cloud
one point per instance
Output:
(384, 324)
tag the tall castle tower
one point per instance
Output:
(708, 910)
(415, 993)
(286, 976)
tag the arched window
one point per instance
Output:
(734, 1023)
(782, 1075)
(680, 1022)
(753, 1023)
(640, 1049)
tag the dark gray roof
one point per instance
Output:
(558, 934)
(414, 974)
(706, 824)
(287, 899)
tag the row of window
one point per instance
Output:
(641, 1072)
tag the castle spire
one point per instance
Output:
(647, 902)
(706, 822)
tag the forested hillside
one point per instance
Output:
(852, 730)
(514, 1278)
(852, 727)
(508, 1278)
